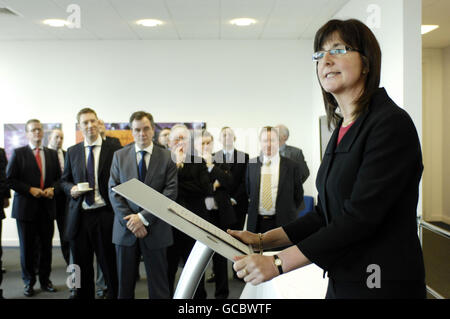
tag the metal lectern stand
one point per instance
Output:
(209, 238)
(193, 271)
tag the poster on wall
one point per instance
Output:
(122, 131)
(15, 135)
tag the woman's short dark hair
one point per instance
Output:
(139, 115)
(358, 36)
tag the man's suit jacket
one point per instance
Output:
(296, 155)
(238, 169)
(75, 172)
(226, 214)
(368, 188)
(289, 195)
(22, 173)
(161, 176)
(4, 187)
(194, 185)
(112, 140)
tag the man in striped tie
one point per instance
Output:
(33, 173)
(274, 186)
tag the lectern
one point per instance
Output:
(209, 238)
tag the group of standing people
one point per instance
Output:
(95, 221)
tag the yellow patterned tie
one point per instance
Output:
(267, 190)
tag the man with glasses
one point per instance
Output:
(33, 173)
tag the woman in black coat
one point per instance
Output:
(363, 231)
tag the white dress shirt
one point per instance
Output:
(98, 199)
(42, 155)
(149, 150)
(274, 169)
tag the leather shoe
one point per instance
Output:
(48, 287)
(28, 291)
(74, 294)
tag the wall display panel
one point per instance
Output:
(123, 133)
(15, 135)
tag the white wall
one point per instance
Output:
(433, 134)
(446, 140)
(242, 84)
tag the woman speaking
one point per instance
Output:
(363, 231)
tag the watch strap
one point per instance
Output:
(278, 264)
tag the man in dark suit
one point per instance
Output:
(274, 186)
(292, 152)
(237, 162)
(90, 217)
(5, 194)
(137, 231)
(55, 142)
(33, 173)
(193, 187)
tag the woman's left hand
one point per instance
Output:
(255, 268)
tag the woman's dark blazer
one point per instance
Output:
(368, 189)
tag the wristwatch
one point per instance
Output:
(279, 263)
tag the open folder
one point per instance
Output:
(182, 219)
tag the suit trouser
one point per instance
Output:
(95, 236)
(265, 223)
(155, 261)
(220, 264)
(29, 232)
(60, 221)
(179, 251)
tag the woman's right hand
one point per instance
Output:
(245, 236)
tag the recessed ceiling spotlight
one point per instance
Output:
(149, 22)
(243, 22)
(57, 23)
(428, 28)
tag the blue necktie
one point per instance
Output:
(90, 176)
(142, 166)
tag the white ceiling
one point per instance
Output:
(436, 12)
(183, 19)
(192, 19)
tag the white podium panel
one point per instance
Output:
(303, 283)
(182, 219)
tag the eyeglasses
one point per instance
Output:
(317, 56)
